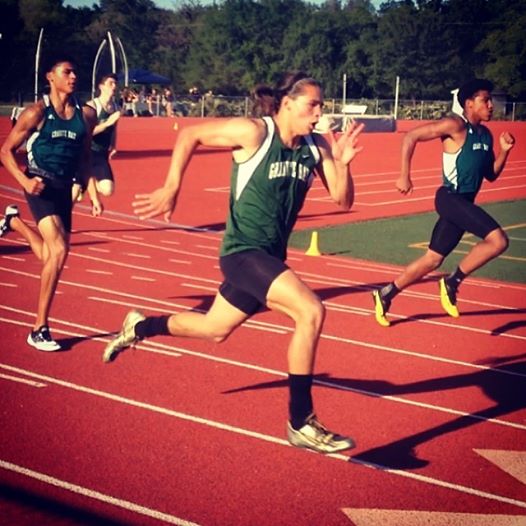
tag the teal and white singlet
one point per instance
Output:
(56, 148)
(464, 171)
(267, 193)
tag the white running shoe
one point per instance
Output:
(125, 338)
(314, 435)
(5, 223)
(41, 339)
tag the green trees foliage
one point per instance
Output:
(229, 46)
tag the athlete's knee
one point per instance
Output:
(498, 240)
(220, 334)
(105, 187)
(58, 252)
(311, 313)
(432, 260)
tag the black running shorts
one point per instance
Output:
(53, 200)
(100, 166)
(248, 277)
(458, 214)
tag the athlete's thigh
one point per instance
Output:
(464, 213)
(225, 316)
(288, 294)
(445, 237)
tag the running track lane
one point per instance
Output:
(428, 383)
(164, 399)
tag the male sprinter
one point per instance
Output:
(467, 160)
(58, 133)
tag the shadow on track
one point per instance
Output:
(504, 385)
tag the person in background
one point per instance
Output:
(467, 159)
(103, 145)
(275, 159)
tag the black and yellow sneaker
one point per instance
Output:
(381, 306)
(448, 298)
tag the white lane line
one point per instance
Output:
(104, 272)
(101, 250)
(13, 258)
(133, 238)
(156, 247)
(258, 325)
(175, 306)
(21, 380)
(182, 261)
(134, 255)
(142, 345)
(256, 435)
(159, 348)
(12, 285)
(200, 287)
(95, 495)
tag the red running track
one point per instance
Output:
(188, 432)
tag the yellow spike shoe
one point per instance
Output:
(380, 309)
(448, 299)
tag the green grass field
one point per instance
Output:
(400, 240)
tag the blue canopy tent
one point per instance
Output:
(143, 76)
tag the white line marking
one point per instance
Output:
(95, 495)
(105, 272)
(12, 285)
(254, 434)
(175, 306)
(101, 250)
(13, 258)
(133, 255)
(155, 347)
(22, 380)
(182, 261)
(200, 287)
(133, 238)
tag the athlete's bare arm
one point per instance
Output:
(242, 134)
(29, 121)
(452, 131)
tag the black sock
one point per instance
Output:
(455, 278)
(152, 326)
(389, 291)
(300, 404)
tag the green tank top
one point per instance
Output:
(463, 172)
(267, 192)
(101, 142)
(57, 147)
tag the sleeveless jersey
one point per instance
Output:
(57, 147)
(464, 171)
(101, 142)
(267, 192)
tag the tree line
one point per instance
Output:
(231, 45)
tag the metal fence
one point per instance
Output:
(219, 106)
